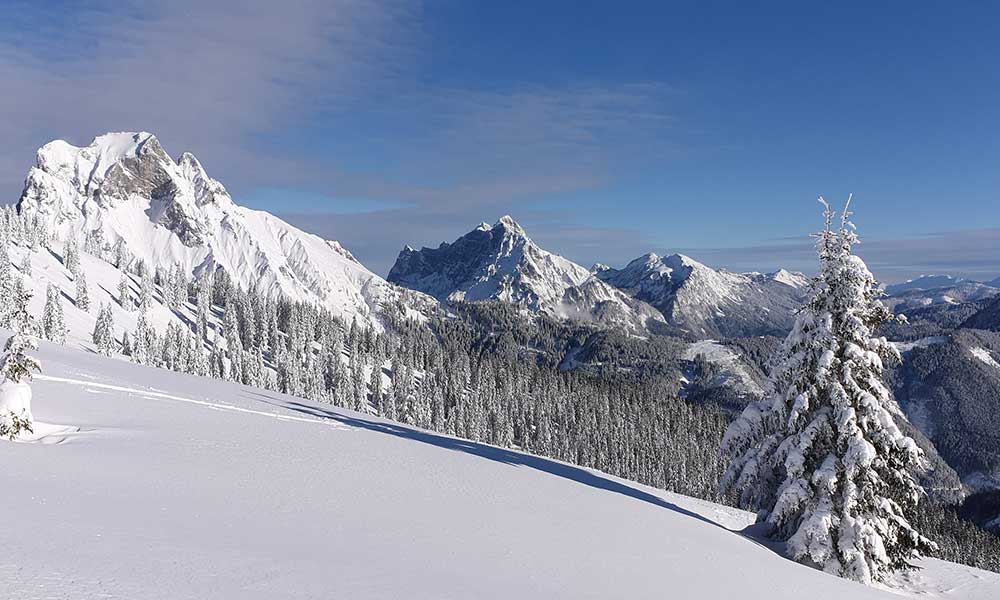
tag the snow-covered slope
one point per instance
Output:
(149, 484)
(709, 303)
(126, 187)
(500, 262)
(102, 281)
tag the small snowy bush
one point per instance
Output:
(16, 366)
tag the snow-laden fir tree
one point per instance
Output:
(71, 256)
(234, 346)
(820, 455)
(6, 282)
(141, 349)
(104, 331)
(82, 299)
(145, 291)
(16, 366)
(125, 293)
(53, 320)
(25, 267)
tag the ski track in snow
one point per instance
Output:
(154, 393)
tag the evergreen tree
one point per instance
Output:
(103, 336)
(203, 302)
(53, 321)
(16, 366)
(145, 291)
(127, 346)
(6, 283)
(141, 350)
(125, 293)
(820, 456)
(82, 299)
(71, 256)
(25, 267)
(234, 346)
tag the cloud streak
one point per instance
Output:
(205, 77)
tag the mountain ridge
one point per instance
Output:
(123, 188)
(501, 262)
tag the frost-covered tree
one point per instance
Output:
(25, 267)
(16, 366)
(104, 337)
(17, 316)
(820, 455)
(234, 346)
(125, 293)
(6, 282)
(82, 299)
(53, 320)
(203, 301)
(71, 256)
(145, 291)
(141, 350)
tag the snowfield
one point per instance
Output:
(142, 483)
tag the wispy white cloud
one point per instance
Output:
(206, 77)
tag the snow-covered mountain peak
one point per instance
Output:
(500, 262)
(125, 189)
(85, 167)
(793, 279)
(704, 301)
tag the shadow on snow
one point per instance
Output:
(501, 455)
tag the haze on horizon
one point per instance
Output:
(606, 131)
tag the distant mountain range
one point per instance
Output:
(676, 293)
(500, 262)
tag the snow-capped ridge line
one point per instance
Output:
(125, 189)
(501, 262)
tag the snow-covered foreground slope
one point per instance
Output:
(180, 487)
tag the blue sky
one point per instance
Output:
(607, 129)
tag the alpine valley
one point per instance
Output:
(633, 372)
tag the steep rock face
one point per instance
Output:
(500, 262)
(708, 303)
(125, 187)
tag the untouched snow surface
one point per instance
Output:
(151, 484)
